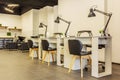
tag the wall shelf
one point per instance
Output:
(3, 27)
(13, 29)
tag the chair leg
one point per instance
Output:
(37, 54)
(81, 67)
(48, 59)
(44, 56)
(53, 57)
(36, 50)
(30, 52)
(90, 61)
(71, 64)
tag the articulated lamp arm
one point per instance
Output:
(91, 14)
(107, 14)
(41, 25)
(68, 22)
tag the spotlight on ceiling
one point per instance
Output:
(9, 10)
(13, 5)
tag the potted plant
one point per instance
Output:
(8, 33)
(0, 25)
(101, 32)
(15, 27)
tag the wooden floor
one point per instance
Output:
(15, 65)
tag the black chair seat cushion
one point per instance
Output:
(35, 47)
(83, 53)
(52, 49)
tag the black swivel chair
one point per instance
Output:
(12, 46)
(48, 50)
(75, 49)
(23, 46)
(32, 48)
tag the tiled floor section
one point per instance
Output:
(15, 65)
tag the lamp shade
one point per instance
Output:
(57, 20)
(91, 14)
(41, 25)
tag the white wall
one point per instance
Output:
(11, 21)
(50, 21)
(55, 8)
(35, 22)
(42, 19)
(30, 22)
(27, 24)
(46, 16)
(77, 11)
(114, 28)
(31, 19)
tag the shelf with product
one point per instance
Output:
(3, 27)
(14, 29)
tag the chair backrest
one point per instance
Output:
(75, 46)
(85, 31)
(44, 44)
(21, 38)
(30, 43)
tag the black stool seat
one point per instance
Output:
(51, 49)
(83, 53)
(34, 47)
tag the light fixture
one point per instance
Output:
(58, 21)
(13, 5)
(9, 10)
(43, 25)
(92, 14)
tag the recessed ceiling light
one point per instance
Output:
(9, 10)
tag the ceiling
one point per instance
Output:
(25, 5)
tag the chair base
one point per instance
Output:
(81, 66)
(48, 53)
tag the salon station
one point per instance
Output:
(77, 37)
